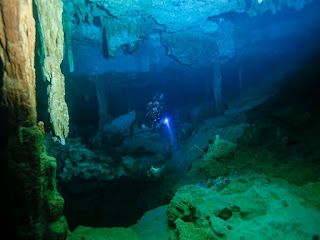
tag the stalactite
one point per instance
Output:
(102, 90)
(50, 17)
(207, 83)
(261, 6)
(217, 77)
(67, 25)
(35, 205)
(240, 80)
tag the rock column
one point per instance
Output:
(240, 80)
(51, 33)
(35, 207)
(102, 90)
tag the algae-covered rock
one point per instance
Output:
(59, 229)
(89, 233)
(264, 208)
(181, 206)
(220, 149)
(214, 163)
(188, 231)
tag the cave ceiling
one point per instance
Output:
(142, 36)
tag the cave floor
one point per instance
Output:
(268, 182)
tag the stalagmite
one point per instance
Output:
(217, 88)
(34, 205)
(51, 32)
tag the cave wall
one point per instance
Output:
(34, 205)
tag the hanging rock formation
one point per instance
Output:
(176, 32)
(67, 25)
(217, 77)
(50, 17)
(29, 173)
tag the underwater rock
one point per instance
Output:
(17, 38)
(174, 15)
(251, 206)
(211, 42)
(214, 162)
(90, 233)
(220, 150)
(151, 144)
(259, 7)
(122, 28)
(67, 26)
(182, 206)
(31, 197)
(178, 47)
(153, 225)
(87, 35)
(188, 230)
(52, 40)
(121, 125)
(126, 32)
(250, 101)
(76, 161)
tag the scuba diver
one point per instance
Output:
(155, 108)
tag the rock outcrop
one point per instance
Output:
(251, 206)
(153, 225)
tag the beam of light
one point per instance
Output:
(166, 121)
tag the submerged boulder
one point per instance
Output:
(248, 207)
(121, 125)
(214, 163)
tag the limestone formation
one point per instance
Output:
(217, 81)
(126, 32)
(67, 25)
(214, 163)
(253, 207)
(35, 205)
(190, 47)
(175, 15)
(261, 6)
(52, 36)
